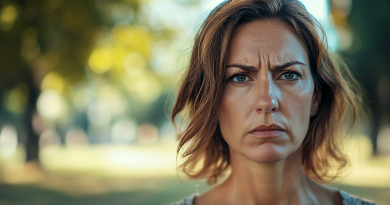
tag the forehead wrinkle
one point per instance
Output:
(264, 59)
(259, 52)
(247, 57)
(251, 60)
(283, 57)
(279, 58)
(269, 59)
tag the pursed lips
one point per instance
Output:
(267, 131)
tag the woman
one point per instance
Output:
(265, 102)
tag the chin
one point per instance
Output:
(269, 153)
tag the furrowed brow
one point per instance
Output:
(243, 67)
(278, 67)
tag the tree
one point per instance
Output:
(38, 37)
(363, 25)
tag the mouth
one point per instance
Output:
(267, 131)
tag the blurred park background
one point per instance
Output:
(86, 85)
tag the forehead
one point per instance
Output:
(266, 40)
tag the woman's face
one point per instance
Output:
(269, 95)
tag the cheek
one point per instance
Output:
(296, 108)
(234, 109)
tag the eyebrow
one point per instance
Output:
(243, 67)
(278, 67)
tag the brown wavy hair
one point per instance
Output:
(204, 152)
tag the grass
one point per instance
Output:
(118, 175)
(161, 191)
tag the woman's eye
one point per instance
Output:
(290, 75)
(240, 78)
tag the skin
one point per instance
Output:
(268, 82)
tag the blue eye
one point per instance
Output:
(290, 75)
(240, 78)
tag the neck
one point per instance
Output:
(281, 182)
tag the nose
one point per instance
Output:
(266, 96)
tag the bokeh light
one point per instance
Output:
(101, 60)
(8, 15)
(53, 81)
(49, 138)
(17, 98)
(144, 85)
(112, 97)
(8, 141)
(30, 47)
(99, 114)
(134, 64)
(76, 138)
(124, 131)
(50, 105)
(147, 134)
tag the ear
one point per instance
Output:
(315, 103)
